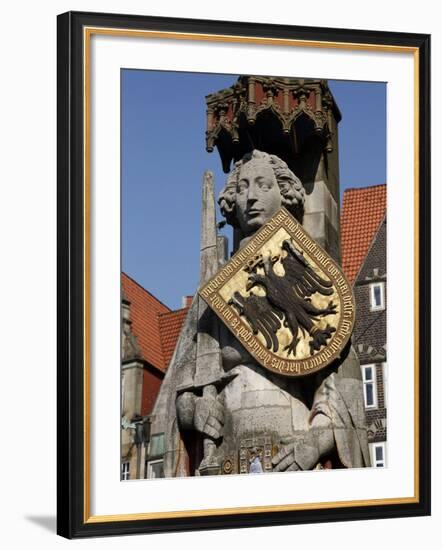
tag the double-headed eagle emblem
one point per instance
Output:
(284, 298)
(287, 300)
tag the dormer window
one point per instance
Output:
(377, 296)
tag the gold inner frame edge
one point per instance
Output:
(87, 33)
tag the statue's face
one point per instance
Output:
(258, 196)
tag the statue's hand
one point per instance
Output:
(300, 453)
(209, 416)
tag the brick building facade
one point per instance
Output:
(364, 243)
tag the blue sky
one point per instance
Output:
(164, 158)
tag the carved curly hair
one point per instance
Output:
(293, 195)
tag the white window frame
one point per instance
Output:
(366, 382)
(125, 471)
(378, 463)
(373, 305)
(150, 464)
(385, 383)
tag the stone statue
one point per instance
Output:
(244, 417)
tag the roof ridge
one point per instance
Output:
(147, 292)
(370, 246)
(364, 188)
(172, 311)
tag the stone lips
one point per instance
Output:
(210, 292)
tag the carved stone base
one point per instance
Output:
(209, 468)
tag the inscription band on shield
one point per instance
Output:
(285, 299)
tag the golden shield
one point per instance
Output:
(285, 299)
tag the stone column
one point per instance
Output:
(321, 214)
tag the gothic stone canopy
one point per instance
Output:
(292, 118)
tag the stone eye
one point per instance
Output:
(242, 186)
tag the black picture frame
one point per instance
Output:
(74, 520)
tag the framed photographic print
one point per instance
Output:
(243, 238)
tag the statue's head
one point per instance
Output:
(256, 188)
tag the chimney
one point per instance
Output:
(186, 301)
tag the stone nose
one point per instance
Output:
(252, 194)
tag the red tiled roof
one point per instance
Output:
(170, 327)
(144, 312)
(363, 210)
(155, 325)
